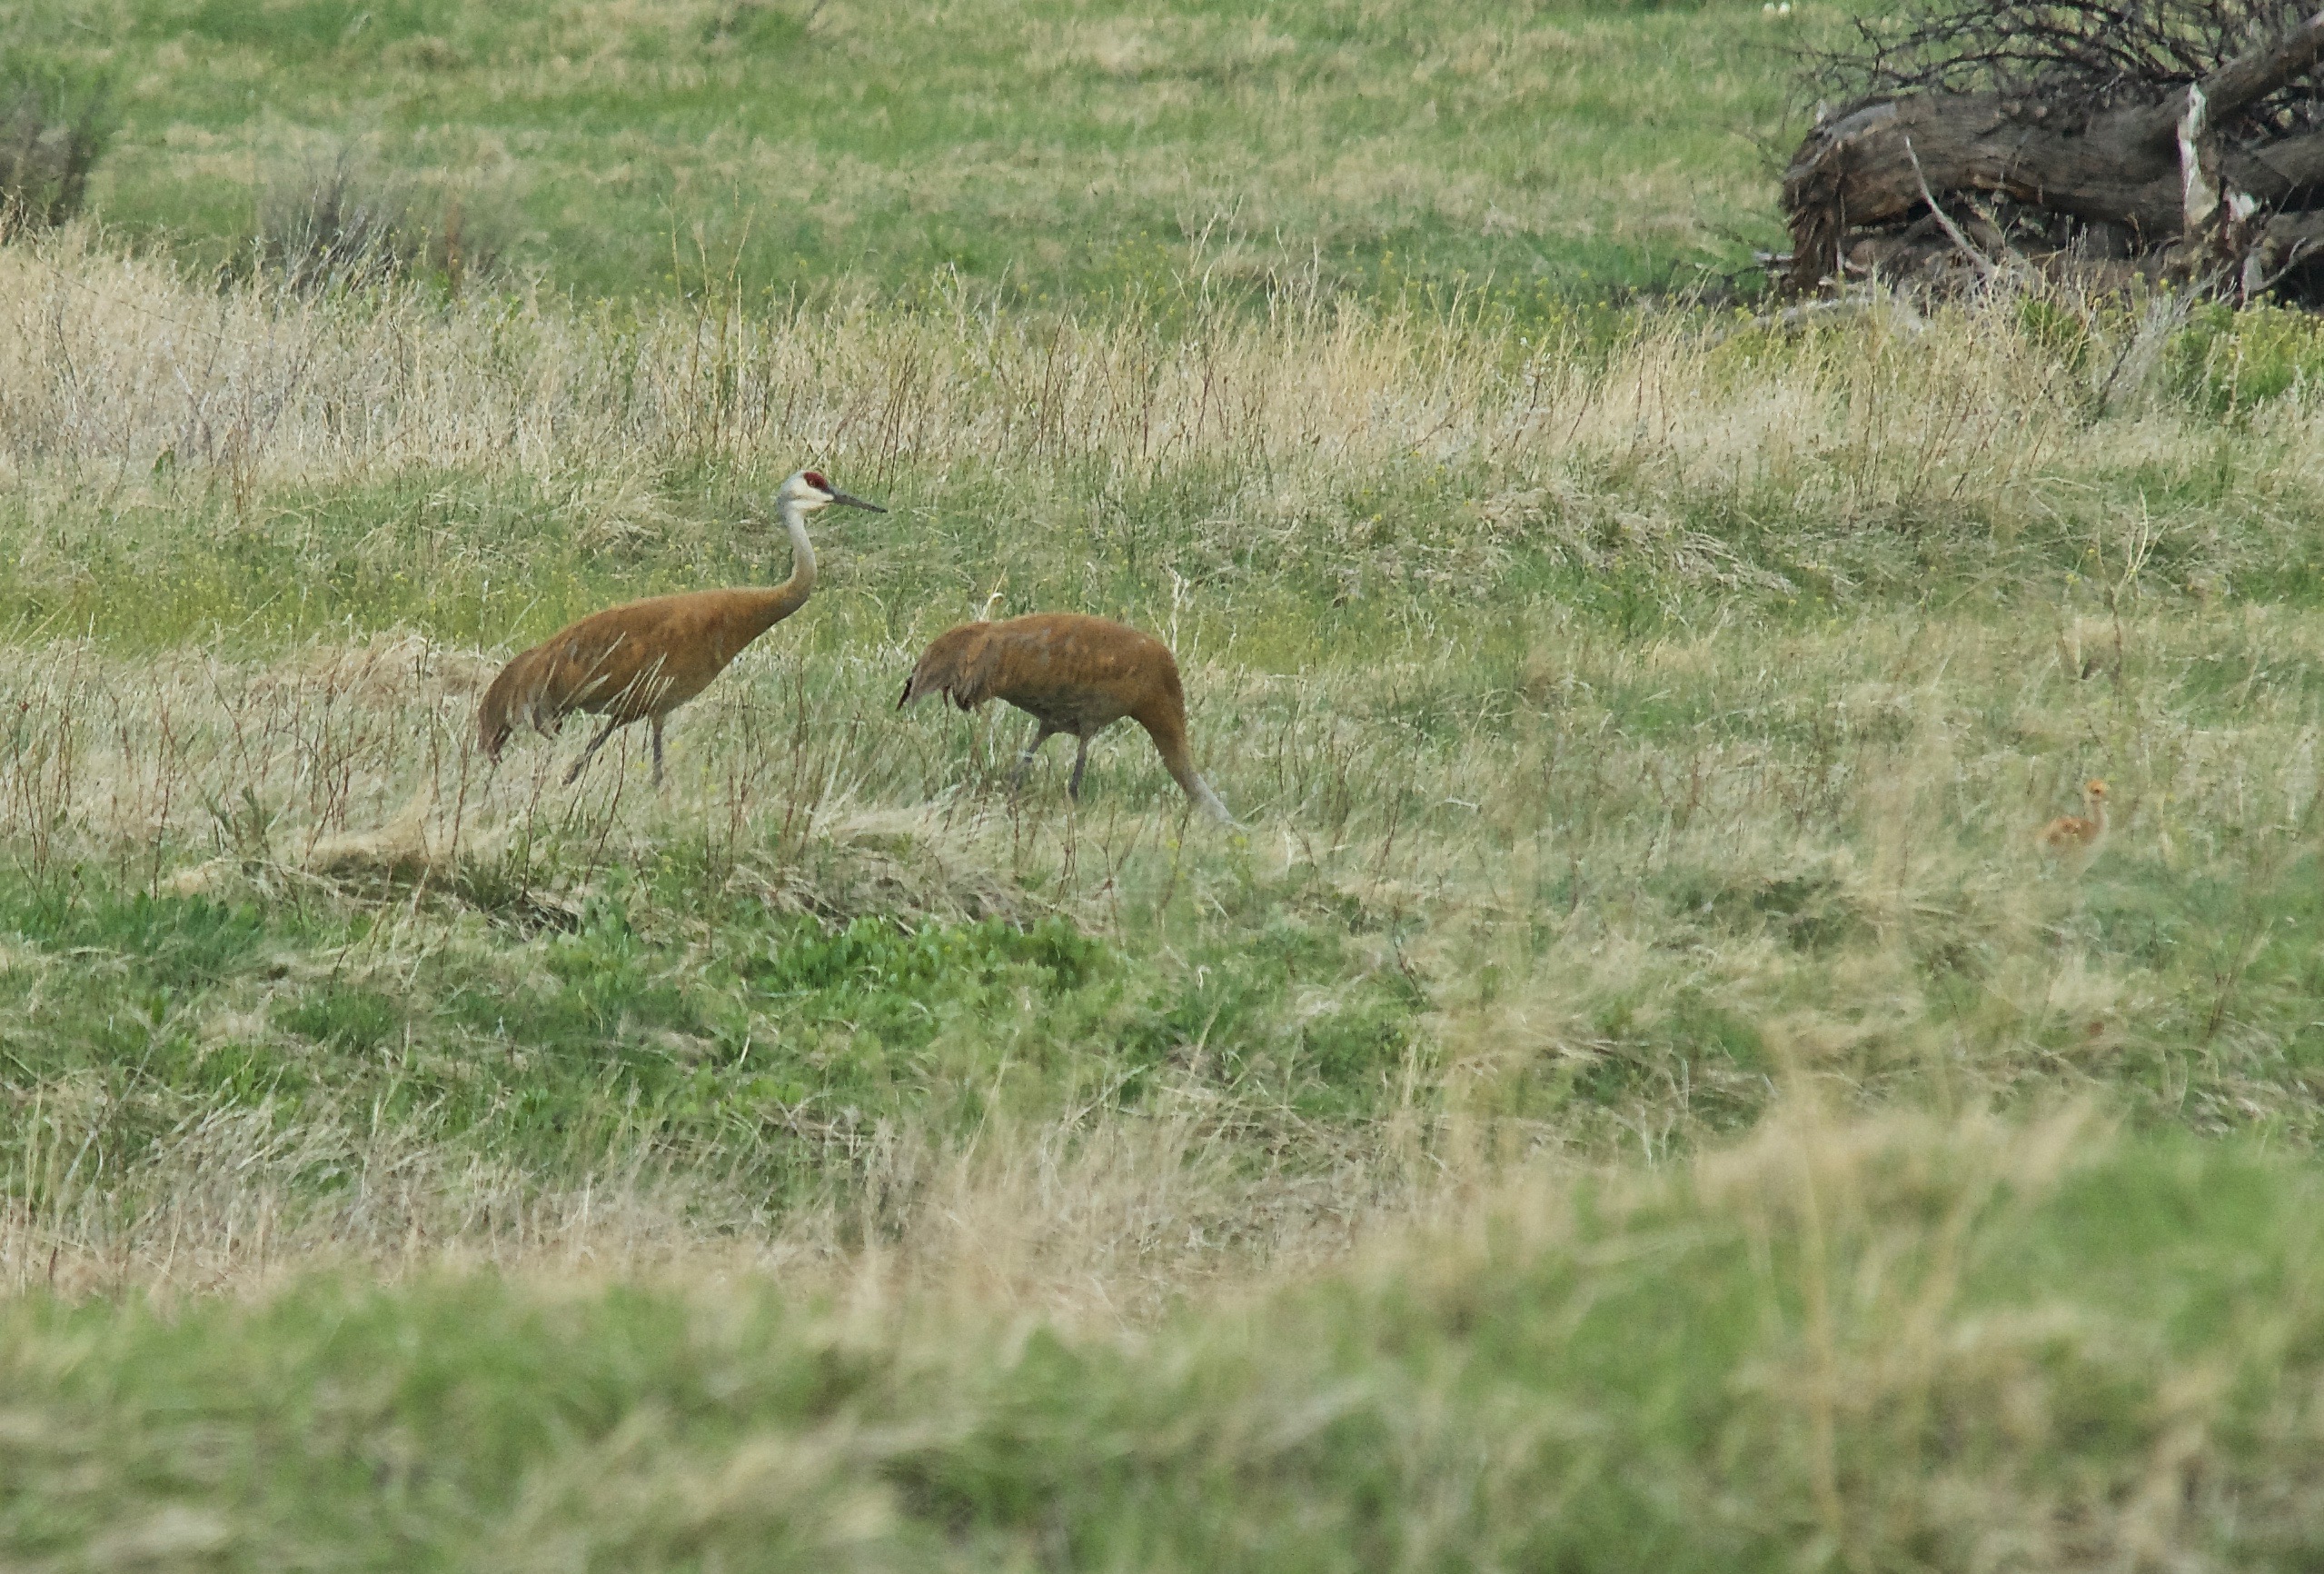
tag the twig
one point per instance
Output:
(1807, 314)
(1984, 263)
(2298, 255)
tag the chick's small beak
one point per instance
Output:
(838, 496)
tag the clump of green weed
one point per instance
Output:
(345, 224)
(52, 130)
(2227, 361)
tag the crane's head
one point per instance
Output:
(2094, 788)
(807, 492)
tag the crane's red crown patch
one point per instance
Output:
(814, 478)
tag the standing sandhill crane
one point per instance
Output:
(643, 660)
(2075, 836)
(1071, 673)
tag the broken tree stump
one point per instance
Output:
(2206, 180)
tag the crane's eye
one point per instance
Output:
(814, 478)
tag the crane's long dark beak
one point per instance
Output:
(838, 496)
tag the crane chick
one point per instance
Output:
(2077, 836)
(643, 659)
(1071, 673)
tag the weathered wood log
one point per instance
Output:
(2146, 174)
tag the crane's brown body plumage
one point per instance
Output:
(634, 663)
(643, 660)
(1071, 673)
(2076, 836)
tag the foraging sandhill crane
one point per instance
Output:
(2077, 836)
(1071, 673)
(643, 660)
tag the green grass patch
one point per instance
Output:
(765, 1045)
(1048, 154)
(1612, 1375)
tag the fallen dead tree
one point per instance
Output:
(2173, 140)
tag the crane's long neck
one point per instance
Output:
(771, 605)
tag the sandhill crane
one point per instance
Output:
(2077, 836)
(1071, 673)
(643, 660)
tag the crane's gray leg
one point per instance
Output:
(1080, 764)
(1025, 760)
(589, 754)
(657, 753)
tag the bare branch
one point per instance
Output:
(1937, 210)
(2261, 72)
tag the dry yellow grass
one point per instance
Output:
(110, 363)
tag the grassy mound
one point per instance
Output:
(1880, 1346)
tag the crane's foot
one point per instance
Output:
(1080, 764)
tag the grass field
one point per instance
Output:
(1049, 152)
(1630, 1094)
(1898, 1347)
